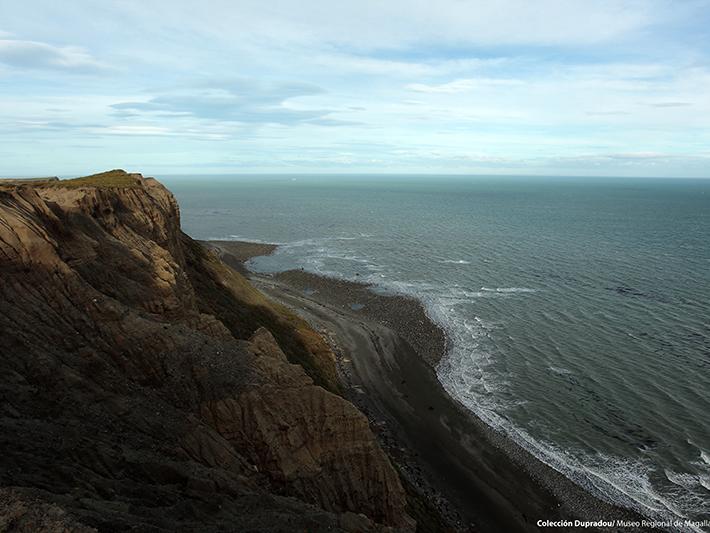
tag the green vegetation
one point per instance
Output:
(111, 178)
(28, 180)
(116, 178)
(9, 183)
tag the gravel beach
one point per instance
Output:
(387, 350)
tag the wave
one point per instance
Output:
(467, 374)
(704, 463)
(351, 238)
(508, 289)
(244, 239)
(688, 480)
(297, 243)
(455, 261)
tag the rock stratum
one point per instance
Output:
(147, 386)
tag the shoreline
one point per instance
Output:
(477, 478)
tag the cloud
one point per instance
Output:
(461, 86)
(632, 158)
(373, 24)
(638, 156)
(95, 130)
(157, 131)
(327, 121)
(53, 125)
(242, 100)
(608, 113)
(670, 104)
(518, 81)
(38, 55)
(384, 66)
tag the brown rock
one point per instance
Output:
(27, 515)
(141, 386)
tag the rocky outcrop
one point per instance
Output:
(145, 385)
(303, 437)
(27, 515)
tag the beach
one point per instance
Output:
(387, 350)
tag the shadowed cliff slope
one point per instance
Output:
(145, 385)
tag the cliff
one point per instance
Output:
(145, 385)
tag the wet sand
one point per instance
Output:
(387, 347)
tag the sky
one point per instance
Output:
(573, 87)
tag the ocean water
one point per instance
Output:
(578, 310)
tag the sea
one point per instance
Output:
(577, 309)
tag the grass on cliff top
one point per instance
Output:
(111, 178)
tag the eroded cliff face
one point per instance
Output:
(144, 384)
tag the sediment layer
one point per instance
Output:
(145, 385)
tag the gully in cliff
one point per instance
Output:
(146, 385)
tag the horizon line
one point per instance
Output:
(340, 173)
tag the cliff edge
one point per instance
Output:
(145, 385)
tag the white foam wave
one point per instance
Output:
(458, 293)
(704, 463)
(508, 289)
(244, 239)
(455, 261)
(619, 481)
(318, 257)
(318, 242)
(352, 237)
(468, 373)
(687, 480)
(325, 240)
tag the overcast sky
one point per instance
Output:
(573, 87)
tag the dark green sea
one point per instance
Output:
(578, 309)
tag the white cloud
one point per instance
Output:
(157, 131)
(371, 24)
(516, 80)
(363, 64)
(38, 55)
(670, 104)
(636, 156)
(135, 130)
(464, 85)
(242, 100)
(362, 25)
